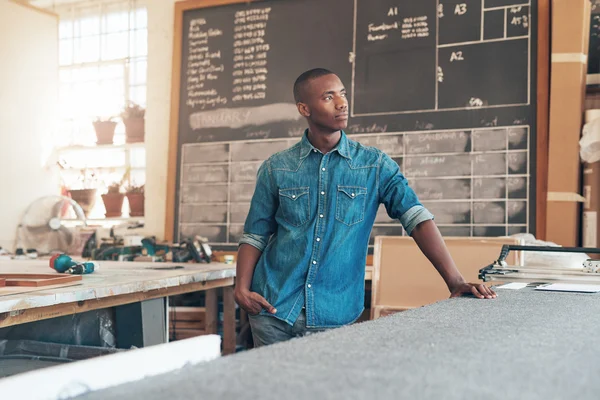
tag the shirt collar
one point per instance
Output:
(342, 147)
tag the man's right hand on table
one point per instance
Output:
(253, 302)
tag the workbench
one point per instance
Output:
(525, 344)
(138, 290)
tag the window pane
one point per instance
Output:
(87, 49)
(137, 94)
(65, 28)
(83, 131)
(138, 71)
(112, 71)
(97, 158)
(65, 133)
(138, 157)
(114, 46)
(88, 26)
(139, 43)
(85, 74)
(139, 18)
(138, 177)
(110, 97)
(87, 95)
(116, 21)
(65, 51)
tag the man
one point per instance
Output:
(301, 259)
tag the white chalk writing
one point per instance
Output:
(250, 55)
(203, 66)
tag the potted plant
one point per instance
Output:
(133, 118)
(105, 130)
(113, 200)
(135, 196)
(84, 190)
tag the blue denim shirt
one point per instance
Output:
(311, 216)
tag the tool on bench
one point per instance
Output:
(499, 270)
(153, 249)
(64, 264)
(194, 249)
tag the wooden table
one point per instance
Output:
(138, 286)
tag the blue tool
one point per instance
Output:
(64, 264)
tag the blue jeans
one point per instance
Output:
(268, 330)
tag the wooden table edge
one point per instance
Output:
(15, 317)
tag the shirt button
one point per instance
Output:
(314, 262)
(321, 216)
(351, 195)
(309, 286)
(323, 169)
(315, 150)
(294, 196)
(323, 193)
(318, 239)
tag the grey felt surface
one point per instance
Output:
(522, 345)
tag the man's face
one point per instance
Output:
(327, 106)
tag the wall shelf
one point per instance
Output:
(125, 146)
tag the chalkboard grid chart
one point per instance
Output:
(446, 88)
(474, 181)
(458, 55)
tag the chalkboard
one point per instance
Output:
(594, 49)
(446, 88)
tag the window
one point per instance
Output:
(103, 52)
(103, 49)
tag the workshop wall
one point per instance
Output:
(28, 98)
(160, 50)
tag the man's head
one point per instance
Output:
(321, 98)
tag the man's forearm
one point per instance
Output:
(246, 262)
(430, 241)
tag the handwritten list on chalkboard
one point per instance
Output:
(444, 88)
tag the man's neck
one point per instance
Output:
(324, 141)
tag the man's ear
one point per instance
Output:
(303, 109)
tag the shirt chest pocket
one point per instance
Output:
(295, 205)
(350, 205)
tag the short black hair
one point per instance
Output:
(305, 77)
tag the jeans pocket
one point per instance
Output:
(350, 206)
(295, 205)
(268, 330)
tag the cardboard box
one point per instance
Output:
(591, 206)
(590, 235)
(404, 278)
(570, 37)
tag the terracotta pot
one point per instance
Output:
(136, 204)
(86, 198)
(105, 131)
(113, 203)
(134, 129)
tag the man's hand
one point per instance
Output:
(253, 302)
(478, 290)
(430, 241)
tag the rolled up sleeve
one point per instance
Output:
(258, 241)
(399, 199)
(260, 223)
(413, 217)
